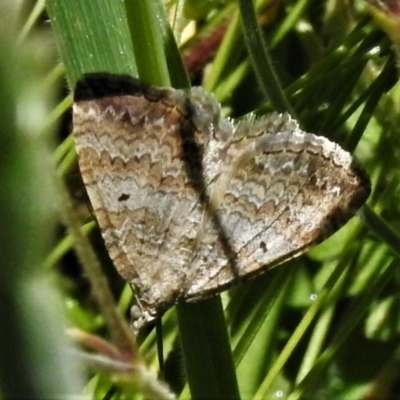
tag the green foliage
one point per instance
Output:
(36, 358)
(322, 326)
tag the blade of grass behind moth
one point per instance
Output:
(150, 29)
(176, 68)
(315, 344)
(206, 350)
(261, 61)
(92, 36)
(243, 340)
(256, 337)
(148, 44)
(381, 229)
(290, 21)
(64, 246)
(384, 82)
(31, 20)
(227, 51)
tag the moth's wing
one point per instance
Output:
(281, 191)
(187, 207)
(128, 139)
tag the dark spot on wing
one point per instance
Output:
(263, 247)
(123, 197)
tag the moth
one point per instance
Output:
(189, 202)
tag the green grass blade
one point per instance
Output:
(92, 36)
(261, 61)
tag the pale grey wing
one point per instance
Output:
(280, 194)
(130, 156)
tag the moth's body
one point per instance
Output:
(190, 203)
